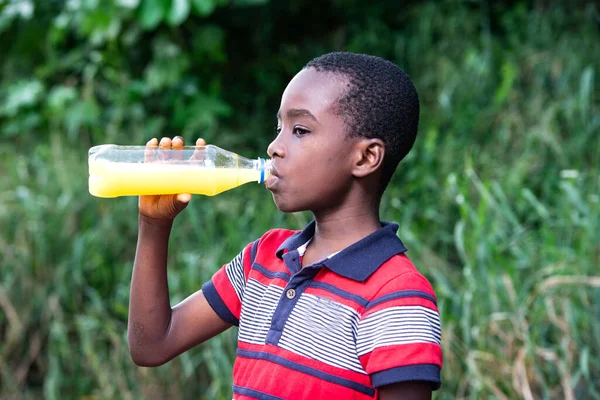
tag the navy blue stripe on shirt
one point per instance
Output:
(422, 372)
(400, 295)
(253, 251)
(271, 274)
(255, 394)
(342, 293)
(217, 304)
(261, 355)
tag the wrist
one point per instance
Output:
(155, 222)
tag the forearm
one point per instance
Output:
(149, 305)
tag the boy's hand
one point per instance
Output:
(165, 207)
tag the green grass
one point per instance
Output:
(498, 203)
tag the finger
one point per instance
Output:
(164, 144)
(150, 151)
(178, 144)
(199, 152)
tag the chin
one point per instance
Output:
(287, 206)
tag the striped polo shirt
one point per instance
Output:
(336, 329)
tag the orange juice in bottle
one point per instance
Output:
(137, 170)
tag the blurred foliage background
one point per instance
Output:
(498, 202)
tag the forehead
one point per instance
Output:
(313, 90)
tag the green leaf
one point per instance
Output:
(60, 96)
(204, 7)
(19, 95)
(180, 10)
(132, 4)
(509, 74)
(584, 362)
(81, 114)
(152, 13)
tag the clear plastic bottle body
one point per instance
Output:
(137, 170)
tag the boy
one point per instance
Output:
(336, 311)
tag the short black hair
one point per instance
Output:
(380, 102)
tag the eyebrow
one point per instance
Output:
(298, 112)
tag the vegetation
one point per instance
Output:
(498, 203)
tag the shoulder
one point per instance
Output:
(398, 287)
(273, 238)
(398, 274)
(276, 235)
(399, 334)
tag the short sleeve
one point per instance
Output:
(399, 333)
(225, 291)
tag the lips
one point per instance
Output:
(273, 178)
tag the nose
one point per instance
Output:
(276, 148)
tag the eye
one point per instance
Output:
(300, 131)
(277, 130)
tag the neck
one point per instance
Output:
(337, 230)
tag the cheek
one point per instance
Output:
(321, 172)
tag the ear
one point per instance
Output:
(369, 157)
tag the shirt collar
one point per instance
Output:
(359, 260)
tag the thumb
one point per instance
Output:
(184, 198)
(179, 202)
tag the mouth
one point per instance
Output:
(273, 178)
(271, 182)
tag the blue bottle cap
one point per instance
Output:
(262, 170)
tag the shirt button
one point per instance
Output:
(290, 294)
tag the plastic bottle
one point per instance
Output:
(137, 170)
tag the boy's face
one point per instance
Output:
(312, 155)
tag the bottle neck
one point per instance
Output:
(264, 167)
